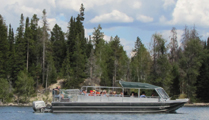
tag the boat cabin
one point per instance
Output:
(112, 94)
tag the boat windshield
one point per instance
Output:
(162, 93)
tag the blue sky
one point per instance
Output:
(127, 19)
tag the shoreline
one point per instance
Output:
(16, 105)
(196, 105)
(30, 105)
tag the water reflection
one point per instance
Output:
(185, 113)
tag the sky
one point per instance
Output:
(128, 19)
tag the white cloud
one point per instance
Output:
(168, 3)
(107, 38)
(88, 32)
(136, 4)
(191, 12)
(114, 16)
(17, 8)
(163, 19)
(144, 18)
(95, 4)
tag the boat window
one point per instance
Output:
(162, 93)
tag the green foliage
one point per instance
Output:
(78, 66)
(58, 47)
(203, 77)
(140, 62)
(182, 96)
(20, 49)
(24, 85)
(4, 91)
(4, 48)
(190, 63)
(11, 54)
(174, 88)
(161, 68)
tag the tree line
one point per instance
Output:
(36, 57)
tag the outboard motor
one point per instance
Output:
(39, 106)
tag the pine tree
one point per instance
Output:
(192, 58)
(106, 63)
(67, 70)
(99, 49)
(71, 38)
(81, 15)
(140, 62)
(190, 61)
(27, 38)
(11, 51)
(116, 55)
(35, 50)
(97, 37)
(161, 68)
(58, 47)
(203, 77)
(20, 48)
(4, 48)
(11, 57)
(44, 40)
(173, 45)
(78, 65)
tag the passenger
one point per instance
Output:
(97, 93)
(132, 94)
(84, 93)
(104, 93)
(114, 94)
(143, 95)
(111, 94)
(94, 92)
(91, 93)
(58, 93)
(121, 94)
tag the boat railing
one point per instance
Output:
(83, 98)
(75, 95)
(66, 95)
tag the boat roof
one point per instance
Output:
(137, 85)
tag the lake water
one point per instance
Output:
(26, 113)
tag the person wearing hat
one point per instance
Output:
(94, 93)
(91, 93)
(104, 93)
(84, 92)
(97, 93)
(114, 94)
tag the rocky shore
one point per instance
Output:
(197, 105)
(19, 105)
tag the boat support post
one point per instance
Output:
(138, 93)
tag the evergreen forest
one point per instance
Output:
(35, 56)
